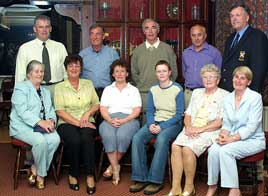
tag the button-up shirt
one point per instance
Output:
(32, 50)
(193, 61)
(154, 45)
(97, 65)
(75, 102)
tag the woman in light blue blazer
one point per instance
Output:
(241, 133)
(32, 120)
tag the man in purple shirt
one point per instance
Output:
(195, 57)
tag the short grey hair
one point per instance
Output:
(150, 20)
(210, 68)
(31, 65)
(41, 17)
(95, 26)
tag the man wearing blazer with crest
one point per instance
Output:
(246, 46)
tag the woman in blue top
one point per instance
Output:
(164, 111)
(32, 112)
(241, 133)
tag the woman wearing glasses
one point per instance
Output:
(202, 121)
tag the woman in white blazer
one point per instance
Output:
(32, 120)
(241, 133)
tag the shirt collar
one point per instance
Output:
(155, 45)
(40, 42)
(205, 46)
(91, 48)
(113, 85)
(68, 85)
(241, 33)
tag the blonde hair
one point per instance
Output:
(245, 70)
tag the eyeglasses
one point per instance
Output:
(209, 77)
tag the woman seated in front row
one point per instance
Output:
(120, 107)
(241, 134)
(76, 102)
(33, 119)
(164, 113)
(202, 121)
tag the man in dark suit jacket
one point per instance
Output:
(248, 49)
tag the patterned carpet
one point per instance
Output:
(104, 188)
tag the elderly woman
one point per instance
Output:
(76, 102)
(32, 120)
(202, 121)
(241, 134)
(120, 108)
(164, 113)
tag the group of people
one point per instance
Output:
(97, 83)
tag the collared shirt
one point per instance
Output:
(155, 45)
(121, 101)
(193, 61)
(241, 33)
(75, 102)
(32, 50)
(97, 65)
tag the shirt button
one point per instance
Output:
(224, 80)
(224, 69)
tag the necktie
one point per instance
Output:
(46, 62)
(235, 42)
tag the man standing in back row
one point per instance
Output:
(97, 59)
(200, 53)
(145, 57)
(51, 53)
(246, 46)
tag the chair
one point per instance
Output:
(22, 147)
(60, 157)
(7, 87)
(151, 143)
(249, 183)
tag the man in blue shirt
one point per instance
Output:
(97, 59)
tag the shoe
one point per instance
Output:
(91, 190)
(171, 194)
(39, 185)
(153, 188)
(116, 175)
(74, 187)
(186, 193)
(137, 187)
(108, 174)
(31, 179)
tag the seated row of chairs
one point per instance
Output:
(249, 183)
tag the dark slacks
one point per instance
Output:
(78, 143)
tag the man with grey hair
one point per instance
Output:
(145, 57)
(97, 59)
(246, 46)
(49, 52)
